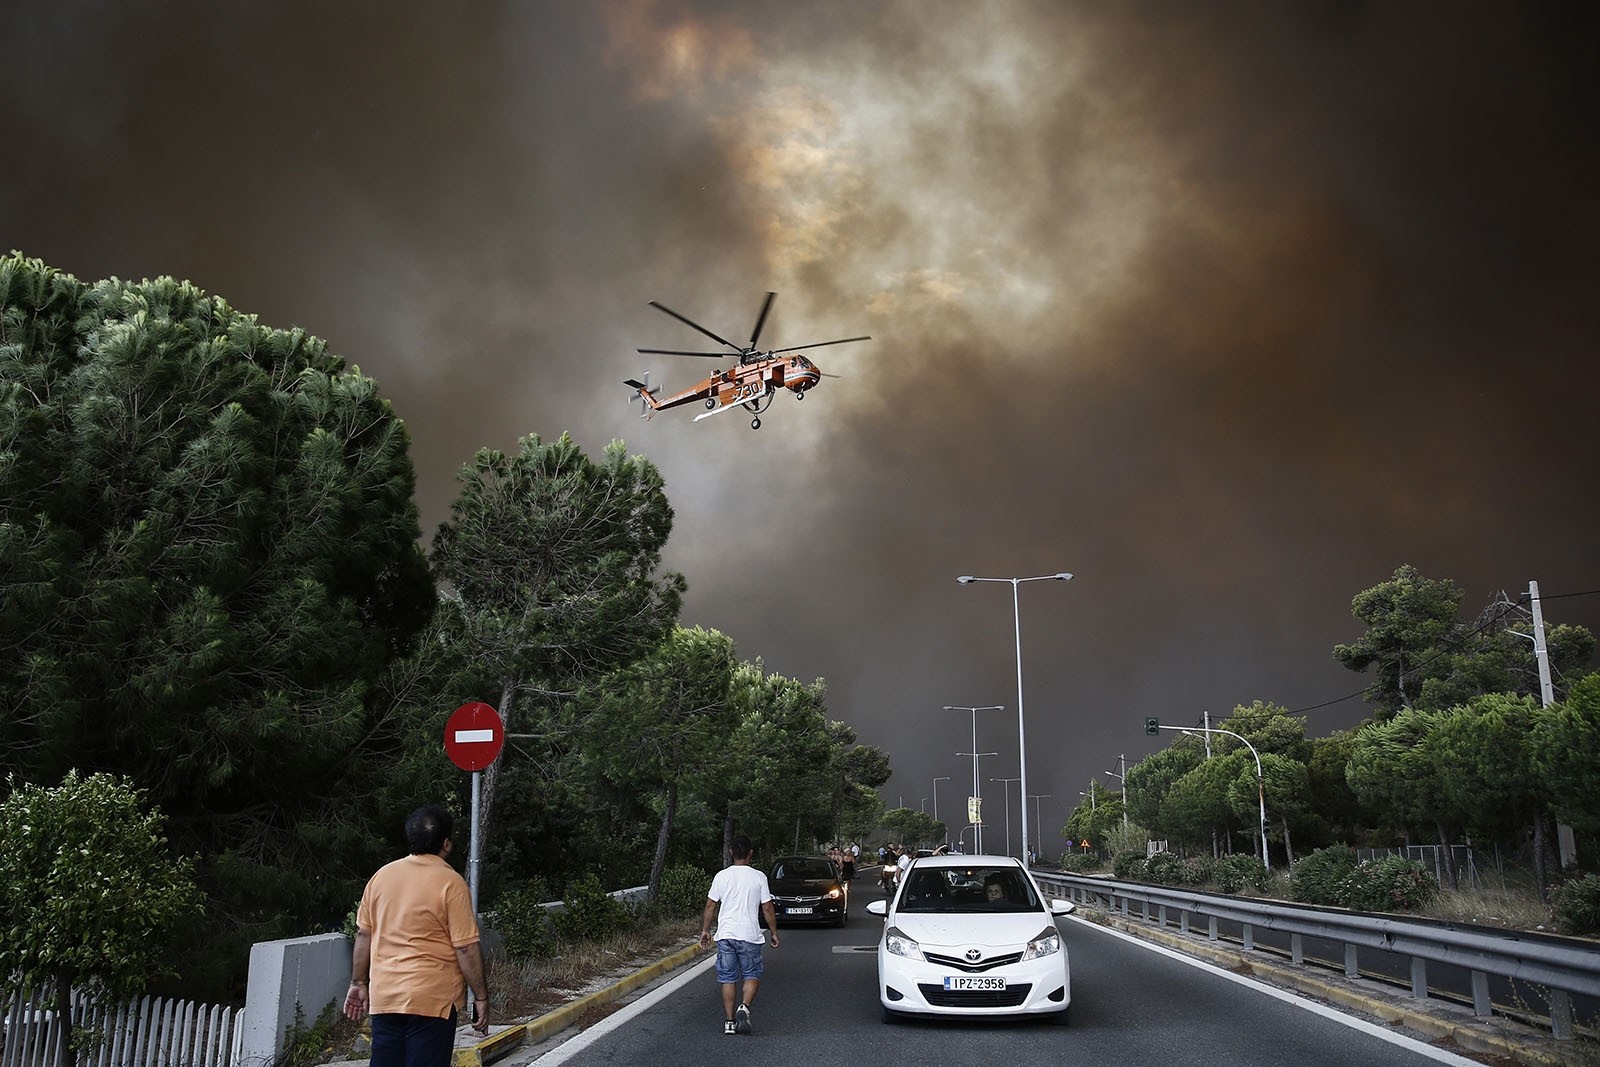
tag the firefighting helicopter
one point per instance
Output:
(751, 382)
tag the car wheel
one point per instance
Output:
(890, 1016)
(1063, 1017)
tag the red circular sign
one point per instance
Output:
(474, 736)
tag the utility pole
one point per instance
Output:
(1566, 844)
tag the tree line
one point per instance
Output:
(213, 591)
(1459, 746)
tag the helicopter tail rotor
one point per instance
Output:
(645, 395)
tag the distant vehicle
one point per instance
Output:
(971, 936)
(807, 889)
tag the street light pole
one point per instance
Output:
(977, 838)
(1005, 789)
(936, 781)
(1261, 782)
(1037, 820)
(1022, 745)
(974, 754)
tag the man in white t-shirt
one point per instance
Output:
(738, 896)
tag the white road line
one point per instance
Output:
(571, 1047)
(1410, 1043)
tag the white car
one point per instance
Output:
(971, 935)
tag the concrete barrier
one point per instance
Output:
(308, 973)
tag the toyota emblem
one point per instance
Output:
(973, 955)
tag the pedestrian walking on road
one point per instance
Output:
(416, 951)
(738, 898)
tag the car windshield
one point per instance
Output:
(802, 867)
(974, 890)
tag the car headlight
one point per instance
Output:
(899, 944)
(835, 893)
(1046, 942)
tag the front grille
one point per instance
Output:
(1009, 997)
(799, 901)
(972, 968)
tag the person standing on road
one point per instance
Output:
(738, 895)
(416, 951)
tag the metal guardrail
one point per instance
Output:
(1563, 966)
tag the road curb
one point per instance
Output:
(558, 1019)
(1467, 1032)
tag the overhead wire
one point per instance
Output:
(1458, 638)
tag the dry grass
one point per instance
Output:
(524, 990)
(1505, 908)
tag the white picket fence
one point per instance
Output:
(150, 1032)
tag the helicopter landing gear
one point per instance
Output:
(711, 402)
(801, 395)
(755, 423)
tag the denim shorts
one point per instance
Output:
(738, 959)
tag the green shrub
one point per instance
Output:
(1130, 866)
(1577, 905)
(1165, 868)
(525, 926)
(589, 914)
(1392, 883)
(1082, 863)
(1234, 873)
(683, 892)
(1320, 877)
(1196, 870)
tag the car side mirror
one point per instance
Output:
(880, 907)
(1057, 906)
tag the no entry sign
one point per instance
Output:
(474, 736)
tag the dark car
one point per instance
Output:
(807, 889)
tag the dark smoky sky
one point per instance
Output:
(1230, 309)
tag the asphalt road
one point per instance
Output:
(1132, 1005)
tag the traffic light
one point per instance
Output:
(1152, 725)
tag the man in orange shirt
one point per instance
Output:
(417, 946)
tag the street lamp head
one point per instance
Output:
(966, 579)
(1064, 576)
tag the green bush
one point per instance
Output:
(1082, 863)
(1234, 873)
(1165, 868)
(1392, 883)
(683, 892)
(1577, 905)
(1196, 870)
(525, 926)
(1320, 877)
(589, 914)
(1130, 866)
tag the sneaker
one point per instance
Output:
(727, 1028)
(742, 1015)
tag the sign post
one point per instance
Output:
(473, 738)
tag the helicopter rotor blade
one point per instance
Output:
(676, 352)
(825, 374)
(694, 325)
(819, 344)
(761, 319)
